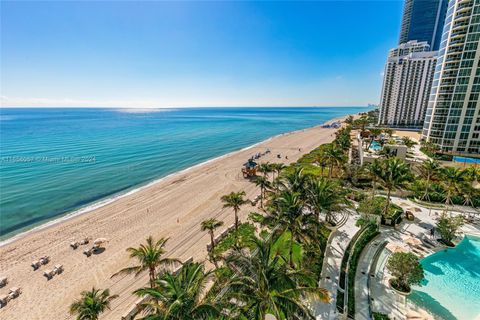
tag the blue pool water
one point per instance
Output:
(466, 160)
(451, 288)
(54, 161)
(375, 146)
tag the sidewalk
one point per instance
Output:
(331, 268)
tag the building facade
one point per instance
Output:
(452, 120)
(423, 21)
(406, 86)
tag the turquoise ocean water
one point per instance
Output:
(451, 288)
(55, 161)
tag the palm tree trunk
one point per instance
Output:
(151, 274)
(236, 220)
(262, 194)
(291, 250)
(212, 248)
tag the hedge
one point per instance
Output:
(367, 236)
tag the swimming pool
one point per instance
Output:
(466, 160)
(375, 146)
(451, 288)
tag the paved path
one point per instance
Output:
(331, 268)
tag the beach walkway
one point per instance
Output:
(339, 241)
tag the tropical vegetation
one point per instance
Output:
(91, 304)
(405, 269)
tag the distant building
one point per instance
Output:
(423, 21)
(406, 85)
(453, 116)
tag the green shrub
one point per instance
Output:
(380, 316)
(367, 235)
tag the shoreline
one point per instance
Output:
(115, 197)
(170, 207)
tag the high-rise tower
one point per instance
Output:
(452, 120)
(423, 21)
(406, 84)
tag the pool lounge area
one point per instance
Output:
(451, 288)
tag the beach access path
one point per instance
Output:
(173, 207)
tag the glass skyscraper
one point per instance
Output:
(452, 120)
(423, 21)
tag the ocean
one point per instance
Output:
(55, 161)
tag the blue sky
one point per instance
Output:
(173, 54)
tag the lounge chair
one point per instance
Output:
(49, 274)
(36, 265)
(85, 241)
(74, 244)
(14, 292)
(88, 252)
(4, 300)
(44, 260)
(58, 269)
(3, 281)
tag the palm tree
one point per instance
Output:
(265, 168)
(349, 120)
(150, 256)
(374, 169)
(408, 142)
(289, 214)
(234, 200)
(395, 173)
(452, 179)
(181, 295)
(211, 225)
(264, 285)
(334, 157)
(473, 174)
(429, 169)
(91, 304)
(325, 196)
(295, 181)
(277, 168)
(264, 184)
(321, 161)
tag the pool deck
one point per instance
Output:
(377, 294)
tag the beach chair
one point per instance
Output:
(84, 241)
(74, 245)
(48, 274)
(88, 252)
(4, 300)
(3, 281)
(58, 269)
(14, 292)
(44, 260)
(36, 265)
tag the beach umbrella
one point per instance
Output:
(100, 241)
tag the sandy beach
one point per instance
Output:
(172, 207)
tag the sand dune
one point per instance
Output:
(174, 207)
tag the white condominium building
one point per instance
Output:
(453, 121)
(406, 84)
